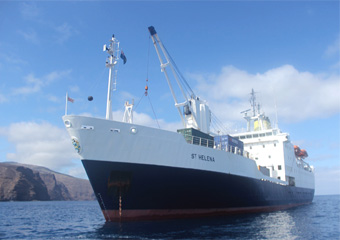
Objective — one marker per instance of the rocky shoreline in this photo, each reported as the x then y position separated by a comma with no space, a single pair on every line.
23,182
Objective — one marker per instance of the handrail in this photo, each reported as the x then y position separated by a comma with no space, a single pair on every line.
211,143
304,165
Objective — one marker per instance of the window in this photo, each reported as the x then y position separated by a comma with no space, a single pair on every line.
279,167
264,146
274,144
250,147
269,156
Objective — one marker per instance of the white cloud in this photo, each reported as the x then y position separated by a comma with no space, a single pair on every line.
12,59
64,32
3,98
298,95
327,180
77,171
334,48
74,88
34,84
29,10
53,98
40,144
29,35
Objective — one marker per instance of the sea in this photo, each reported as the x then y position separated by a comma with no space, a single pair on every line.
84,220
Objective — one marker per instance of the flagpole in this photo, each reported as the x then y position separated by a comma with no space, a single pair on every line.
66,103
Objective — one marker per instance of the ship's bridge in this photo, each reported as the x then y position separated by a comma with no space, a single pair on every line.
259,135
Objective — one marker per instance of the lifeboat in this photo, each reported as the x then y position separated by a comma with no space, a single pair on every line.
301,153
297,150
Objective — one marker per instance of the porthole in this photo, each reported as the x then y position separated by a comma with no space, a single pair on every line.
133,130
67,123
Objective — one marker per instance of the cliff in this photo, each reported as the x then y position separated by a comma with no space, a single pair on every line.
23,182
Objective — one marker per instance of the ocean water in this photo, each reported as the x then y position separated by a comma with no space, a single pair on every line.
84,220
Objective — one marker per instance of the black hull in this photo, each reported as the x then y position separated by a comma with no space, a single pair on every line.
128,191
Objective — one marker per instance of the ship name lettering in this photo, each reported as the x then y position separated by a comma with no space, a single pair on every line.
202,157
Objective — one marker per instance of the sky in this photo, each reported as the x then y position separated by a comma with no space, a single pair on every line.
288,52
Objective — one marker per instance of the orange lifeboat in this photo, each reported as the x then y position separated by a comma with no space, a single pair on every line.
303,153
297,150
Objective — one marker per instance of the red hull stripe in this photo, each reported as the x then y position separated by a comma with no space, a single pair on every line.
133,215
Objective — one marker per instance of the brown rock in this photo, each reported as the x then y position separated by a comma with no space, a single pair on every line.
23,182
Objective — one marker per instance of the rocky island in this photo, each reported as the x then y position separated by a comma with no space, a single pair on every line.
23,182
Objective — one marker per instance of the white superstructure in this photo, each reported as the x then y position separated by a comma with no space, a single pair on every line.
273,149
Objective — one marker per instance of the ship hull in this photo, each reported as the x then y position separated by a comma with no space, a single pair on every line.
131,191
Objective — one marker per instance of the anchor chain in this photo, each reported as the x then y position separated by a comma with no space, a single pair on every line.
120,204
105,210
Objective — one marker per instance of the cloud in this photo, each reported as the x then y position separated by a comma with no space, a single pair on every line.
77,171
53,98
327,180
34,84
3,98
29,10
64,32
298,95
74,88
40,144
334,48
30,36
12,59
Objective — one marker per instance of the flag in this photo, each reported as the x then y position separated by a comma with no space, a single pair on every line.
122,56
70,99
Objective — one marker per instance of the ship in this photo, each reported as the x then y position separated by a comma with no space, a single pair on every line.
140,173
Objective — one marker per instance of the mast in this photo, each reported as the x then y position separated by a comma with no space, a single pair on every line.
253,101
111,61
258,121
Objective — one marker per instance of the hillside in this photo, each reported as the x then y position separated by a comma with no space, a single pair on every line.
23,182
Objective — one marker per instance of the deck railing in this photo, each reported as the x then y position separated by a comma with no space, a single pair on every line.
211,144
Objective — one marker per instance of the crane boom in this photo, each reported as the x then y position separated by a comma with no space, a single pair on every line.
196,113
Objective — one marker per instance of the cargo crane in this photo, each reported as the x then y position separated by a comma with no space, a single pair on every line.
196,113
